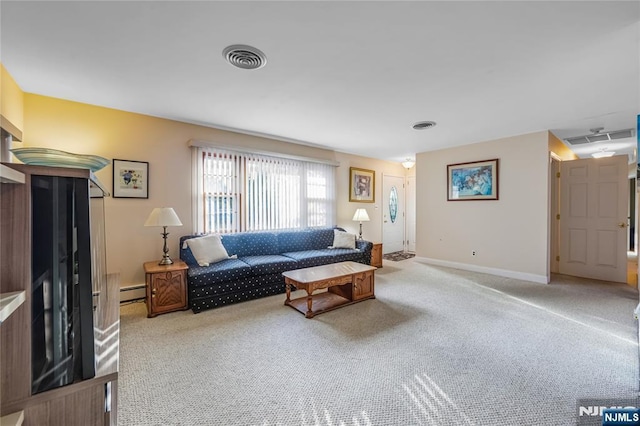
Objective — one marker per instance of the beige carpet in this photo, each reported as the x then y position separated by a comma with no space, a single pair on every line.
437,347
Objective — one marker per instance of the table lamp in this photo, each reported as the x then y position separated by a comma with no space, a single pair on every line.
361,216
163,216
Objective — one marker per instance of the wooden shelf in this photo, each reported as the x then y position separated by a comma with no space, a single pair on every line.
9,175
9,302
322,302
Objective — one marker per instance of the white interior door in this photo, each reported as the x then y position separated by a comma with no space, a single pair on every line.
410,191
593,218
392,214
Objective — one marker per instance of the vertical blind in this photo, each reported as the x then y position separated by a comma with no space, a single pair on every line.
250,192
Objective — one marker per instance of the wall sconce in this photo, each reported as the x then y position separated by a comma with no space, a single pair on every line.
408,163
163,216
361,216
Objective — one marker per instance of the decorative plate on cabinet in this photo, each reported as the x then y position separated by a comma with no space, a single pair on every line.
56,158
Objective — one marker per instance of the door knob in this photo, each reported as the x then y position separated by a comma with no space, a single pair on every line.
622,225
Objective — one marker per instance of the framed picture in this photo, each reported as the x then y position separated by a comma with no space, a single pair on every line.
362,185
477,180
130,179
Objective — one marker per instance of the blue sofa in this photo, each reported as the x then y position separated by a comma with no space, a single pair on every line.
262,257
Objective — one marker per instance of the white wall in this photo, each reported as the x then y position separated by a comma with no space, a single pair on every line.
510,234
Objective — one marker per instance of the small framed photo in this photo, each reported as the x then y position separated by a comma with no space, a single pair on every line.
130,179
362,185
477,180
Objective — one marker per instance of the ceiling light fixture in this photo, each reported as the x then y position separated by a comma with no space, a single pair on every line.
245,57
421,125
603,153
408,163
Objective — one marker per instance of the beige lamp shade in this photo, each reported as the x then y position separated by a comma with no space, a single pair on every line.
163,216
361,216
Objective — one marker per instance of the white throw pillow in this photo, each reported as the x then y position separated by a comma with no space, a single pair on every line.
343,239
207,249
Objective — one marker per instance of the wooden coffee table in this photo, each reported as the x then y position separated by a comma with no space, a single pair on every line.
346,283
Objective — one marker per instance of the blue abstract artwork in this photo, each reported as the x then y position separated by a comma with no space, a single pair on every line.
473,181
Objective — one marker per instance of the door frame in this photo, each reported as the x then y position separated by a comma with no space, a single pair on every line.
402,217
553,265
410,214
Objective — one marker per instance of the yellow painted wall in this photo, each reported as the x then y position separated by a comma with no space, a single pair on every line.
11,99
560,149
88,129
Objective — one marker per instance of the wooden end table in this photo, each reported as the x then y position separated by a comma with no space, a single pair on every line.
376,255
346,283
166,287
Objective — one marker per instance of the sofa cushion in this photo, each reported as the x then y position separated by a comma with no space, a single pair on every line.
323,237
226,270
207,249
290,241
269,264
308,258
343,255
250,243
343,239
185,251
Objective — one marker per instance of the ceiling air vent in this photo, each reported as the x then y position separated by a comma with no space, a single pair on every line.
621,134
597,136
245,57
577,141
600,137
421,125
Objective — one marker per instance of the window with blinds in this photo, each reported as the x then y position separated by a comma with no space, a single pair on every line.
250,192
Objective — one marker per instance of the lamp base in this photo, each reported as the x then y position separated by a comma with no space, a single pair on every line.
166,260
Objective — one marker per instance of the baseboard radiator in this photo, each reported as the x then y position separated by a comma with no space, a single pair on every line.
132,292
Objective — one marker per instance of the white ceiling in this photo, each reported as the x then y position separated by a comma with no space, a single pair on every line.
350,76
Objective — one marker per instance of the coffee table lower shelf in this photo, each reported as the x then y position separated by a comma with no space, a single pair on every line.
322,302
346,283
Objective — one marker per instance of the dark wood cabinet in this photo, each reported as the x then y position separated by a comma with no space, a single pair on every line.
86,400
166,287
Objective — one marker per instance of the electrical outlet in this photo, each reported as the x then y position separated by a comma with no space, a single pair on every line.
473,252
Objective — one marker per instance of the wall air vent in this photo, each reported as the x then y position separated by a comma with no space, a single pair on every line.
245,57
597,136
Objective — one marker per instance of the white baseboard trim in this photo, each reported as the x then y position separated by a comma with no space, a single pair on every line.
542,279
132,292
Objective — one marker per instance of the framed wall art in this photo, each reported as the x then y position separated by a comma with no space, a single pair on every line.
477,180
362,185
130,179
